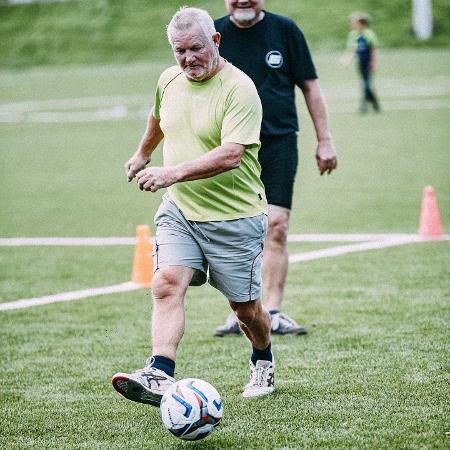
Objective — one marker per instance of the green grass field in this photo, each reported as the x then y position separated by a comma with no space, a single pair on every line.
373,373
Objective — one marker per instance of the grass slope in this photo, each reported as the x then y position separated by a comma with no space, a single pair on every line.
94,31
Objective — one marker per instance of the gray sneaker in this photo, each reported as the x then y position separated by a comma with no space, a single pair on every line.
146,385
282,324
231,327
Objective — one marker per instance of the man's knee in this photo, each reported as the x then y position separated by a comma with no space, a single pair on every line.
278,228
248,311
169,282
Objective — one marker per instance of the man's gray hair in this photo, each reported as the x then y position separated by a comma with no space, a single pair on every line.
187,17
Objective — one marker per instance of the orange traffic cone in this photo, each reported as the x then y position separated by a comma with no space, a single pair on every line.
142,272
430,225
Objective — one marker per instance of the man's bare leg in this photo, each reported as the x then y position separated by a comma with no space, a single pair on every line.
276,258
275,269
255,322
148,385
168,289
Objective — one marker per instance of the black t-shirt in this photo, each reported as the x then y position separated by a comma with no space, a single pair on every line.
275,55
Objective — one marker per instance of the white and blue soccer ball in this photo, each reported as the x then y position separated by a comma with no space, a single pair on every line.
191,409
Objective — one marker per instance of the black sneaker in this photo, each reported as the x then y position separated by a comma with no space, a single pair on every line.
231,327
282,324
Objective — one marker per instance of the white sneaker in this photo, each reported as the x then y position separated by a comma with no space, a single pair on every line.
146,385
262,379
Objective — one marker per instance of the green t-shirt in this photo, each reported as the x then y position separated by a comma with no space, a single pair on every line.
359,40
197,117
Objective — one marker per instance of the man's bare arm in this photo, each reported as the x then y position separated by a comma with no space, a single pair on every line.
373,60
326,152
221,159
153,135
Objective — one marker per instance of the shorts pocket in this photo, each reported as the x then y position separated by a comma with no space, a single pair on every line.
155,256
255,278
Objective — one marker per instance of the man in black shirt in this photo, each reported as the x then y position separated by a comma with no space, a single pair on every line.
273,52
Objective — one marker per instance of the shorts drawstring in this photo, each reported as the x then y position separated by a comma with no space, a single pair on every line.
194,225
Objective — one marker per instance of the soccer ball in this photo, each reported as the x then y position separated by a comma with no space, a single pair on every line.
191,409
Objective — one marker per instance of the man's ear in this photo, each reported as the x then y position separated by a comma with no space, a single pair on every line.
216,38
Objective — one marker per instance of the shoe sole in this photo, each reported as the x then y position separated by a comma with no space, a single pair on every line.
134,391
297,332
259,393
227,333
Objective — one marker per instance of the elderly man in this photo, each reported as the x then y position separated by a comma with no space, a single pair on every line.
273,52
213,217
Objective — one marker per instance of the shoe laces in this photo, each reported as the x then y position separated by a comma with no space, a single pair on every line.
258,375
149,373
149,362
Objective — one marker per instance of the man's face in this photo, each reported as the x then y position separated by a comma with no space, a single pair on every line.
244,11
197,55
357,25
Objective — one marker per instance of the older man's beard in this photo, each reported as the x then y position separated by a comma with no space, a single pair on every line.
211,66
244,16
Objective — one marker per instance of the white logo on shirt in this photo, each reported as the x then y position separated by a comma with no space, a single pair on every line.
274,59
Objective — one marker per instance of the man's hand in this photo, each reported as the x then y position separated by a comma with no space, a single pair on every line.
326,156
155,178
136,163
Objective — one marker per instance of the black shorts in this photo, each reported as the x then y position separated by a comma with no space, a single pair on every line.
278,157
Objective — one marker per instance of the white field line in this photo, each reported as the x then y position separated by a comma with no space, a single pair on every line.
411,89
344,249
28,2
67,242
74,103
129,286
118,108
337,237
117,241
118,112
389,88
121,112
69,296
397,105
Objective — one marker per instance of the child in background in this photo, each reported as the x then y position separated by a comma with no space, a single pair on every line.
363,41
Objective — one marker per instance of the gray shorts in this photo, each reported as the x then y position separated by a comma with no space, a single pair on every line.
230,252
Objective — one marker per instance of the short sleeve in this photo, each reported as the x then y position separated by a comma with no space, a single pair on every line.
373,39
157,104
302,64
242,116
